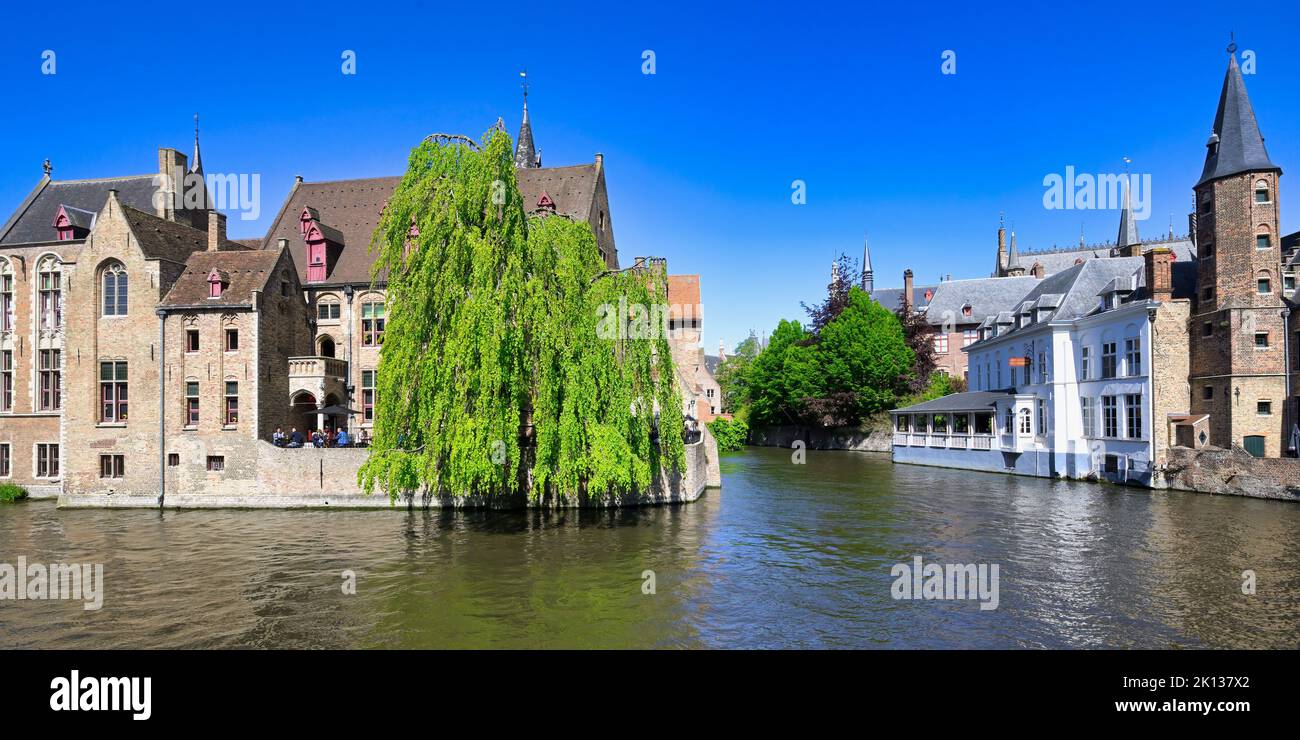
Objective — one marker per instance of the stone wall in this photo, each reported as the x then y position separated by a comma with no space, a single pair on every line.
873,435
1233,472
272,477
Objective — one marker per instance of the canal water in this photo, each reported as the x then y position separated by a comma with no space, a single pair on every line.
785,556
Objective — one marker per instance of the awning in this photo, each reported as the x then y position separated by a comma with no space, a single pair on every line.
971,401
337,411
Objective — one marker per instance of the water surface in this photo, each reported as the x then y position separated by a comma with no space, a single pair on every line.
785,556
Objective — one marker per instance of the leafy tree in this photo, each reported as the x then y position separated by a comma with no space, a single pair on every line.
731,435
919,335
865,360
731,375
494,379
782,376
837,294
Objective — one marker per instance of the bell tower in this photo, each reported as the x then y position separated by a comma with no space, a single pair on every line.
1238,367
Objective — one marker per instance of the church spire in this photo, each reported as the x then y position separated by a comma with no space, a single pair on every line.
1128,238
196,166
1236,145
526,157
868,281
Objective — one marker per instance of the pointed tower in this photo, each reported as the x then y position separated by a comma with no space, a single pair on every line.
1000,269
868,281
1014,268
196,165
526,156
1238,365
1127,244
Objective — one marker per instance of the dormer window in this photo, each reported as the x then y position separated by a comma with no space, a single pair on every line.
324,244
967,310
73,223
217,283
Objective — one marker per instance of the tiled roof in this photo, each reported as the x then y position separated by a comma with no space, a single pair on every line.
33,221
168,240
247,270
352,208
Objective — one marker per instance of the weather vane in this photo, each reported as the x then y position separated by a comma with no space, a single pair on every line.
524,84
1232,42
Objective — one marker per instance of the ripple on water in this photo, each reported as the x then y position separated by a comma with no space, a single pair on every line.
785,556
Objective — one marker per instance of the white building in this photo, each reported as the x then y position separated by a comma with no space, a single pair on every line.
1061,386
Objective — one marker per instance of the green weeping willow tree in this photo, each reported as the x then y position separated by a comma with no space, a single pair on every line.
512,364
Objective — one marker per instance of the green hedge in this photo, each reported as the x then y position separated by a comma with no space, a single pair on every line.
10,493
731,435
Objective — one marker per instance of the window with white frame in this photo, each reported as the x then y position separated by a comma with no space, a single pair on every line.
5,461
1133,356
1109,359
7,380
1109,417
1133,412
1085,363
1089,420
49,299
112,392
1026,422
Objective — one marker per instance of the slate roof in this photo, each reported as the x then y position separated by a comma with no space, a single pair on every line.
891,298
711,363
33,221
248,270
1057,260
970,401
1078,288
351,209
986,297
1240,146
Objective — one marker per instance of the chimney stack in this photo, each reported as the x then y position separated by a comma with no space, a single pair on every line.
171,183
1037,270
907,290
216,230
1159,273
600,161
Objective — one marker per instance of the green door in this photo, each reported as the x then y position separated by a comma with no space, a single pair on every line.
1254,445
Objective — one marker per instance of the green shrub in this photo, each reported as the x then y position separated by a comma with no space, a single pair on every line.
731,435
10,493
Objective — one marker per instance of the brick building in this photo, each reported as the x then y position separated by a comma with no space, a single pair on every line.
138,341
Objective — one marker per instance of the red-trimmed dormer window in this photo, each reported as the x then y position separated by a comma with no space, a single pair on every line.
324,244
217,283
545,204
72,223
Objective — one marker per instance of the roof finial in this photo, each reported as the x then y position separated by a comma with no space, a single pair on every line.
1232,42
47,167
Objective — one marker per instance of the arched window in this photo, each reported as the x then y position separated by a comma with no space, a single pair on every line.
1263,240
1026,422
114,285
49,288
1261,191
6,296
326,346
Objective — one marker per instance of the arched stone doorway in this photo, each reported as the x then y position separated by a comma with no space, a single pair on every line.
303,405
326,347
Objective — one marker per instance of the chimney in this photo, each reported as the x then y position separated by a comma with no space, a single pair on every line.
907,290
1037,270
1159,273
216,230
171,180
600,161
282,243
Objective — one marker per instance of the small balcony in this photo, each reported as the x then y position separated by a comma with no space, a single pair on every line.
316,366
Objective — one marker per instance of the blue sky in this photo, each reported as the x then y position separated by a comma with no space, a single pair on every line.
700,157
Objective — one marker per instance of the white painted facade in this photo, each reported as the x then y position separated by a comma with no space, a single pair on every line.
1077,406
